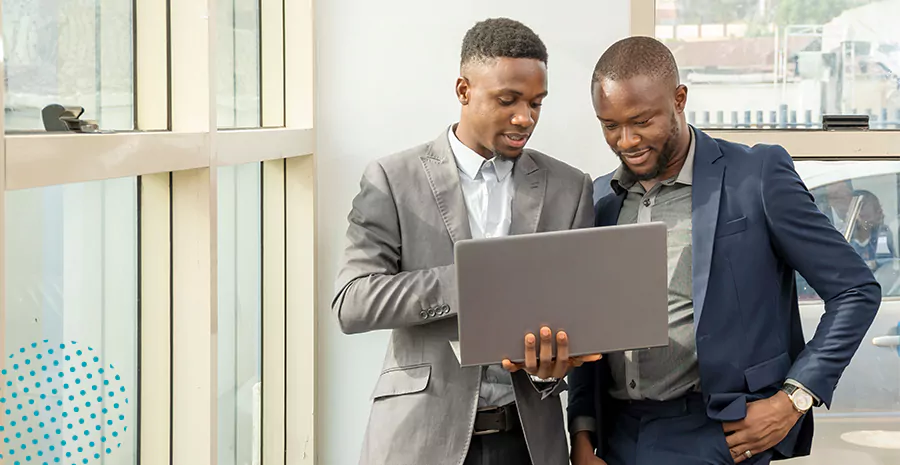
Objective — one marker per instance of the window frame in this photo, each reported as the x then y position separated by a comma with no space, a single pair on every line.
175,151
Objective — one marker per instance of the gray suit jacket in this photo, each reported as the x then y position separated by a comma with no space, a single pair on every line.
397,273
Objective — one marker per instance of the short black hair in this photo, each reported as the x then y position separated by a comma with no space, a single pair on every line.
501,38
636,56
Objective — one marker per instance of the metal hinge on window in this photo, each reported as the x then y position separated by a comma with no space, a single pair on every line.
58,118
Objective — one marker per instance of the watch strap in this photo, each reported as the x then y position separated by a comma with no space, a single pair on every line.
791,382
789,388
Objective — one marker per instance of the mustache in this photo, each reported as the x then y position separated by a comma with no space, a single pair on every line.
634,152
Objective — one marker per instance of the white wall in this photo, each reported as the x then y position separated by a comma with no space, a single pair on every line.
385,77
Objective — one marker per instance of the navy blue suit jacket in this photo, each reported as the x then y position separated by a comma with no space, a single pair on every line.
754,224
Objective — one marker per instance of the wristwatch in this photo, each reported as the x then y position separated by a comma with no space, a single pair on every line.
802,400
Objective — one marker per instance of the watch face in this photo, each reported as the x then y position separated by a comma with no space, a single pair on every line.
802,400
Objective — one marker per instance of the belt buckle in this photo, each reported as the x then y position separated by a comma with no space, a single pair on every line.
485,410
485,432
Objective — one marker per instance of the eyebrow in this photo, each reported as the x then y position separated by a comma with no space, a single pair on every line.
636,117
640,115
519,94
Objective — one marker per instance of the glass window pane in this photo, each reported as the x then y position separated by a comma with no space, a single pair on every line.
72,330
240,313
238,74
785,63
862,199
75,53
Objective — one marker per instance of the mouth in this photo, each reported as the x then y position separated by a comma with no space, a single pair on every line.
516,140
637,158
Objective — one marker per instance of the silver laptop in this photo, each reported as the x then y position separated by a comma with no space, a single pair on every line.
606,287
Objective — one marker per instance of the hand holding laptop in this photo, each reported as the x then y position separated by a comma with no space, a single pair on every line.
545,366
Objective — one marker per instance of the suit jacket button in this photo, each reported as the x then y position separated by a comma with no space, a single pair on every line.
423,314
445,308
430,312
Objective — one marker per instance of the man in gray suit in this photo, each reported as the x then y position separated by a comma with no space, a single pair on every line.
475,180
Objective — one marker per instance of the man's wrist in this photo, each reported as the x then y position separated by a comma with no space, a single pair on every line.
801,399
582,444
787,405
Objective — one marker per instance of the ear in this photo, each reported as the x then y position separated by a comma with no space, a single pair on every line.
680,98
462,90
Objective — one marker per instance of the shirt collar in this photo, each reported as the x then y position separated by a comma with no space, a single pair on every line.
470,163
622,179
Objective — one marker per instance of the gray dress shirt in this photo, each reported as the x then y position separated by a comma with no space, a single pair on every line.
669,372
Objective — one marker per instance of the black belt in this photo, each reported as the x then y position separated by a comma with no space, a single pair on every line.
688,404
497,420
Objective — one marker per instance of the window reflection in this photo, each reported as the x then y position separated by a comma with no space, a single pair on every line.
72,298
239,313
238,60
76,53
865,211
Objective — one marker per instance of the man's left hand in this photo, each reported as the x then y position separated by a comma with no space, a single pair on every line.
544,366
767,423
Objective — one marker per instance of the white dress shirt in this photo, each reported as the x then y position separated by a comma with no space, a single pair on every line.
488,190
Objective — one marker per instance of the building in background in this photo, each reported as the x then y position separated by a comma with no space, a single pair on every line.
785,63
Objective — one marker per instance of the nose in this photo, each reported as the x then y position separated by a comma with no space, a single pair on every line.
628,139
523,118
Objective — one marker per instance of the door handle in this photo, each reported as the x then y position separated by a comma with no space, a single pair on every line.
886,341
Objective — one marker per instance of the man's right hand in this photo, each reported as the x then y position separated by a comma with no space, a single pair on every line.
546,365
583,450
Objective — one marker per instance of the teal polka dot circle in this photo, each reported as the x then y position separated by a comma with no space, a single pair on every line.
84,391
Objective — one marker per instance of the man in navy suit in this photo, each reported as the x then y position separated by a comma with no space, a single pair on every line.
736,382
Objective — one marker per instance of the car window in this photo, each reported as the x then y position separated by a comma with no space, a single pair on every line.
865,210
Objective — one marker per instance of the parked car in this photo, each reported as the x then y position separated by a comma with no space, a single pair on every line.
863,425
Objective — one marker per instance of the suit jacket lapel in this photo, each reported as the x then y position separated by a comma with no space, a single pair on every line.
530,183
607,203
443,176
706,193
608,208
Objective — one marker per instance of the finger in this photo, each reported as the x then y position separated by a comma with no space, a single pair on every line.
589,358
739,452
562,355
510,366
732,426
763,444
738,440
546,355
575,362
530,354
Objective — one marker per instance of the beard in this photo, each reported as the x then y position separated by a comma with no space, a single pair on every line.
665,156
511,158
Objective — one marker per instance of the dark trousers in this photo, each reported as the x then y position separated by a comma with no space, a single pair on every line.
676,432
507,448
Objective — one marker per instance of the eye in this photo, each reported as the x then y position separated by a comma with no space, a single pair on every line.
536,105
642,123
507,102
610,126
